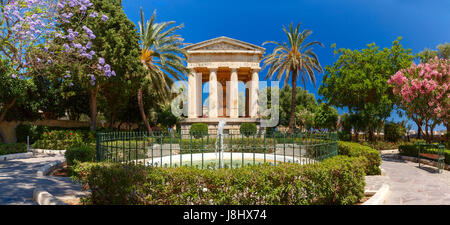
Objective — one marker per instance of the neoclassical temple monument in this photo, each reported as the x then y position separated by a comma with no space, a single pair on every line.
222,62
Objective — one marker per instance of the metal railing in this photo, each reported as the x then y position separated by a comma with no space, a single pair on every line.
202,150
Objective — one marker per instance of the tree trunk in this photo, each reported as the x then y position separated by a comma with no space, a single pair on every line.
93,108
294,93
7,107
141,109
8,132
427,135
371,134
419,127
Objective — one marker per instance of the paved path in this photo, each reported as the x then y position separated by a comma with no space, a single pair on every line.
18,180
411,185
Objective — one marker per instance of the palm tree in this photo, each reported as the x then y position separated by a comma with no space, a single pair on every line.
293,59
162,55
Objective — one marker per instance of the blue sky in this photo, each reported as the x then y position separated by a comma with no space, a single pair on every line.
348,23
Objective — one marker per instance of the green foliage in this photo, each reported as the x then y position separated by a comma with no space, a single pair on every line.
32,131
304,118
199,130
358,81
248,129
393,131
443,52
165,116
355,150
413,150
326,117
12,148
37,131
15,102
58,139
339,180
305,101
346,132
79,152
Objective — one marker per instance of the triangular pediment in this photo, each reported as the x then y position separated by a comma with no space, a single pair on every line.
224,44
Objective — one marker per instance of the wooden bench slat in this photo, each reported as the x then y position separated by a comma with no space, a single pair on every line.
432,156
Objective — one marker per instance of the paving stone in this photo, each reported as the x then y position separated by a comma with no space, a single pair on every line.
18,180
410,184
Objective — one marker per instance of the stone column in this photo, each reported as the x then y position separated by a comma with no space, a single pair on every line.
234,94
253,104
212,100
192,98
199,94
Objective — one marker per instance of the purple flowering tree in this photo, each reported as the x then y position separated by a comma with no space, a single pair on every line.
39,34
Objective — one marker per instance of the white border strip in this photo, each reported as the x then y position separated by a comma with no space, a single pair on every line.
43,171
380,197
42,197
16,156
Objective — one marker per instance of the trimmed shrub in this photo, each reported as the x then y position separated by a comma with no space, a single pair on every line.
12,148
199,130
58,139
79,152
338,180
355,150
413,150
248,129
36,132
393,131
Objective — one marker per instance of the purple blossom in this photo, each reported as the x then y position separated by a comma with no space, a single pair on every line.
107,67
77,45
14,76
104,17
93,15
101,61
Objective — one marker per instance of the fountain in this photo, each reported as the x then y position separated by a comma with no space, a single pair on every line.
219,143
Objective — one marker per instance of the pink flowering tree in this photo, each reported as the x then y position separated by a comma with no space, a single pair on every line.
424,92
38,34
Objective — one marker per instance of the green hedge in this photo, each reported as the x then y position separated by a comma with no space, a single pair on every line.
198,130
413,150
338,180
12,148
80,152
58,139
354,150
248,129
36,132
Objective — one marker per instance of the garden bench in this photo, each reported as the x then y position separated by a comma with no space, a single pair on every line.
439,156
